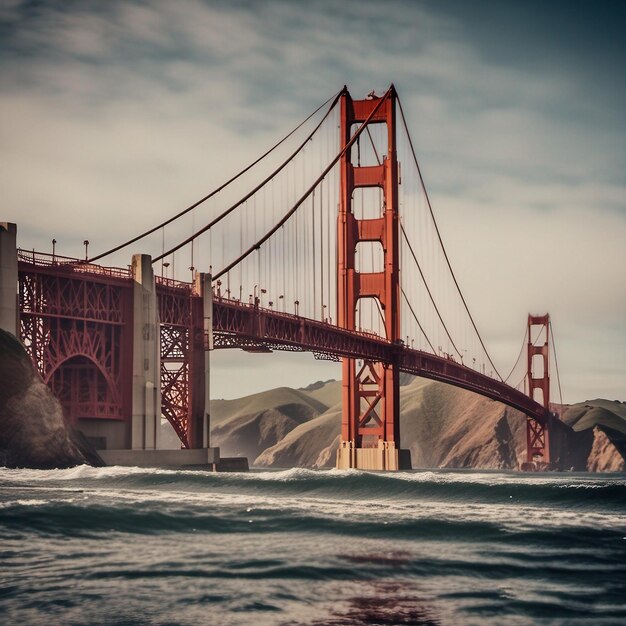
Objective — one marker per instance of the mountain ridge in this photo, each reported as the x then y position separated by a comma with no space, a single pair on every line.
443,426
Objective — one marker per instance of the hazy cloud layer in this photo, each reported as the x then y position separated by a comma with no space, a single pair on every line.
114,115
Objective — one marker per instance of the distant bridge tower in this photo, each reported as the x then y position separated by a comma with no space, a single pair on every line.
370,428
538,375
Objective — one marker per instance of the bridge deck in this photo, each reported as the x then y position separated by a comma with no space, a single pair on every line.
241,325
251,327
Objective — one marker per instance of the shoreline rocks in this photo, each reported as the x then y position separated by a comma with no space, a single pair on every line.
33,430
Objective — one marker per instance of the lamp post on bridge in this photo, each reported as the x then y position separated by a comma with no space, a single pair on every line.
54,243
86,244
258,295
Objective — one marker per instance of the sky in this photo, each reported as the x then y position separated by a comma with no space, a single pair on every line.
115,115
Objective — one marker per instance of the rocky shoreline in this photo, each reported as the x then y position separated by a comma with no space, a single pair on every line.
33,430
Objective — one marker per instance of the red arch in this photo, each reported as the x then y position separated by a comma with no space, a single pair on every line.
117,396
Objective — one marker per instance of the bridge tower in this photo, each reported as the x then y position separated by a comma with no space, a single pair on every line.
370,427
537,434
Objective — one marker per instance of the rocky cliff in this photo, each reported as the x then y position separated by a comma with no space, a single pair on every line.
33,430
603,423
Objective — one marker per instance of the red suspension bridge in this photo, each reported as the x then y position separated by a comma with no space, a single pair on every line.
336,251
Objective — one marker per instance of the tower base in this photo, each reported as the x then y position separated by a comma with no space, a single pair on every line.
386,457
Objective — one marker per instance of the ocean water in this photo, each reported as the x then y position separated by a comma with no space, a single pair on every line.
144,546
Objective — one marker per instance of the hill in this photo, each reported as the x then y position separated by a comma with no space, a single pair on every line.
606,420
248,426
584,415
443,426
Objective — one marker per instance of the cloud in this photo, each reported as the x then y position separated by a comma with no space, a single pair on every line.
116,115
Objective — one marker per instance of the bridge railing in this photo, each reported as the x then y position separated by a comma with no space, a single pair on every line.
291,316
310,322
173,283
44,259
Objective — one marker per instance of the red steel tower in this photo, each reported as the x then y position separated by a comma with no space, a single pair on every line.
537,434
370,429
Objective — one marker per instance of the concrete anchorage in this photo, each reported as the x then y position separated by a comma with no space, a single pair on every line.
146,395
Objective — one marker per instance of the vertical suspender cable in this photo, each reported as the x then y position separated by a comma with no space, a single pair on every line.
519,356
556,364
428,290
334,98
307,193
251,193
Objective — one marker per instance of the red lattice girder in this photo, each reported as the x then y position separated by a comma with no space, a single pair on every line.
73,327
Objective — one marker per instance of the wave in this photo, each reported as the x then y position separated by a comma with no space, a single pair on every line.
582,492
94,517
517,499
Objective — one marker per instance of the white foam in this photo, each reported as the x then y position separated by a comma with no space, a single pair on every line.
9,503
84,471
299,473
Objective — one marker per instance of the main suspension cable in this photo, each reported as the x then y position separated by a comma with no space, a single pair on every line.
230,209
418,322
445,254
215,191
308,192
519,356
556,364
429,292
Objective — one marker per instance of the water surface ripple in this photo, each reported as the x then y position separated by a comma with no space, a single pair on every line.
139,546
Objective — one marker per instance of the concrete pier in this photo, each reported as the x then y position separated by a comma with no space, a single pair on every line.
197,459
9,319
161,458
206,290
146,395
385,457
